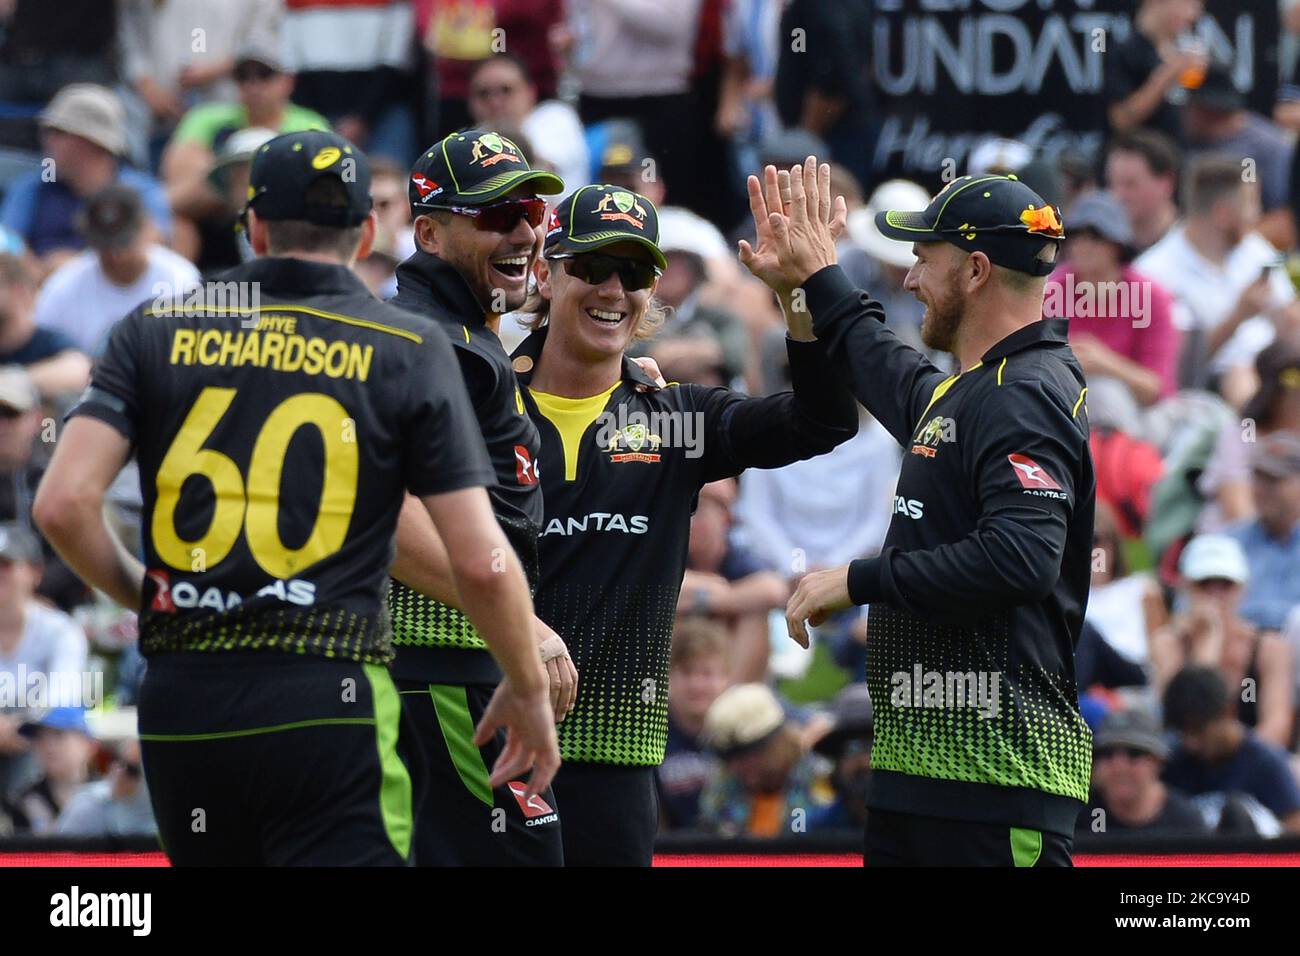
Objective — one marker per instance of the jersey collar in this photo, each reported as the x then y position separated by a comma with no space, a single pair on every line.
524,361
427,275
287,277
1035,334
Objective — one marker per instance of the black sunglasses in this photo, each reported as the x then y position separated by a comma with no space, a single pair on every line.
252,71
1133,753
594,268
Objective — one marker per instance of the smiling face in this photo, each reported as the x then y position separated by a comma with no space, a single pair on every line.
594,321
495,264
935,281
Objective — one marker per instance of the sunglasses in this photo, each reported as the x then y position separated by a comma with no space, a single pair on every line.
483,92
595,268
252,71
1133,753
500,216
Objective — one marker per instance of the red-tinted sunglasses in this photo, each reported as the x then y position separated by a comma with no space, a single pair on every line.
501,216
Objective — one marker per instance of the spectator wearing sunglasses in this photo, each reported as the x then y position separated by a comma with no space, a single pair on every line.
477,205
626,459
1128,796
264,88
118,805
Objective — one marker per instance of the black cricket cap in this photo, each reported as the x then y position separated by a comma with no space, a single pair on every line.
597,216
283,168
471,168
997,215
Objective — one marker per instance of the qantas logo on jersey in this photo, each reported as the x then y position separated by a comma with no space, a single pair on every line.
602,521
527,471
910,507
537,811
183,596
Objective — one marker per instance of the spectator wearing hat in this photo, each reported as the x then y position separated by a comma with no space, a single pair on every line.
847,742
223,242
50,357
264,87
83,134
1218,754
1217,121
61,745
1128,756
501,91
1148,75
768,776
699,671
1210,630
1142,168
118,805
168,72
889,260
1275,406
1124,608
34,639
1230,298
1121,322
122,268
1271,540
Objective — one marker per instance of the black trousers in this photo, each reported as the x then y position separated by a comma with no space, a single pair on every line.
461,820
273,759
906,839
611,814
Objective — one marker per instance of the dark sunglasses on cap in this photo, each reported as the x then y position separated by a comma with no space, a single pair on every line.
246,72
500,216
594,268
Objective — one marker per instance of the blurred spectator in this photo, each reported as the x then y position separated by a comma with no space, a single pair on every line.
177,54
1217,754
848,744
751,44
634,60
1121,322
727,582
1142,173
34,639
353,60
1222,276
1125,607
998,156
1274,407
62,747
223,242
1128,755
700,670
394,237
1208,629
39,54
264,89
118,805
1272,539
823,77
1148,75
501,91
123,267
457,34
50,357
1128,468
768,776
1217,122
83,136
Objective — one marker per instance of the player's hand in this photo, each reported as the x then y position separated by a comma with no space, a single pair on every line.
652,371
795,228
561,673
530,737
819,594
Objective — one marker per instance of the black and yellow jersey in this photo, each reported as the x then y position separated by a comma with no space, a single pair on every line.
977,599
624,469
436,642
275,439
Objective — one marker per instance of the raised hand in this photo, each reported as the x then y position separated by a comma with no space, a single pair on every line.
796,229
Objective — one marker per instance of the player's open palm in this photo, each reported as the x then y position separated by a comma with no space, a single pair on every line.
531,743
796,225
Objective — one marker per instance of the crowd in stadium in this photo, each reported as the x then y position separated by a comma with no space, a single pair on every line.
126,131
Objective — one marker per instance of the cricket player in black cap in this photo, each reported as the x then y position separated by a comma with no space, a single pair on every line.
276,438
976,602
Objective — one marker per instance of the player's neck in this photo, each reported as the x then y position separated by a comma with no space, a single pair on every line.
984,329
562,372
493,321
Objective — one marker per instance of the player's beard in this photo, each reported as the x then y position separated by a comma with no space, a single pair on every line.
942,318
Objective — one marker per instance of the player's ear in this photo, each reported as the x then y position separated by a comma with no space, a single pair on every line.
256,233
369,228
978,270
542,272
429,234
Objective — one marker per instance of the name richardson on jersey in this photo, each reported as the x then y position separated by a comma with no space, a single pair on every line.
275,344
